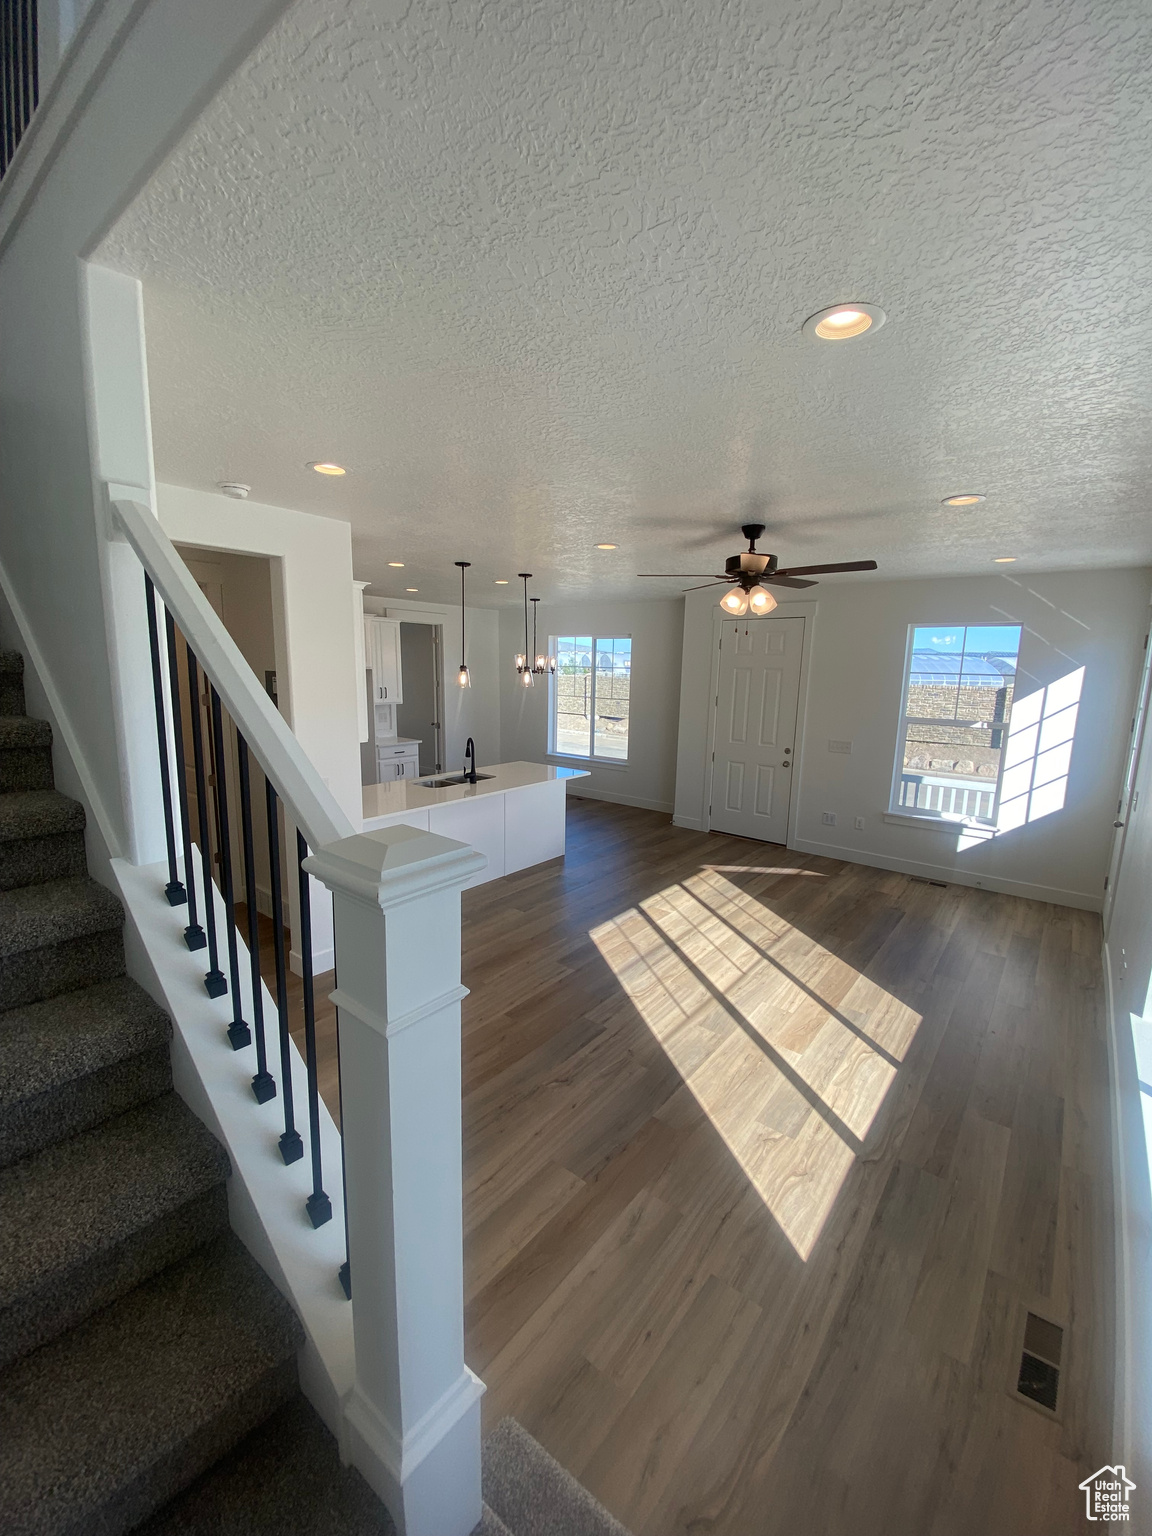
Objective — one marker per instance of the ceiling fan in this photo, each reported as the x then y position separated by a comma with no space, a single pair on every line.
749,574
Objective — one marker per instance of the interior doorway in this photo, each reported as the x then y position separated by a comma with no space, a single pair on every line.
419,715
755,740
240,591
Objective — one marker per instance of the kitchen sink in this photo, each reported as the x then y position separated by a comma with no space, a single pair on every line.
452,778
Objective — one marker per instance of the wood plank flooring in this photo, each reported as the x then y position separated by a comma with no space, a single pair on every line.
766,1156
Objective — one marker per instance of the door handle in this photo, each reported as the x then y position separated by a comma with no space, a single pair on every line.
1117,824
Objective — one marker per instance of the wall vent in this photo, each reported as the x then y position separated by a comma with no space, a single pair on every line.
1039,1378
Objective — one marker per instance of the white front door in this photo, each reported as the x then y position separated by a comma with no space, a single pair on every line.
756,727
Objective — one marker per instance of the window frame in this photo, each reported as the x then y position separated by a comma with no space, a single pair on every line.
937,818
619,763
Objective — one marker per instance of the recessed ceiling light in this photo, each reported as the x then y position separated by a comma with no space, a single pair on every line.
411,589
841,322
605,546
1004,560
965,499
500,582
327,469
396,565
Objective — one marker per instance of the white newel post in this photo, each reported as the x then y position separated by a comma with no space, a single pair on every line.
412,1418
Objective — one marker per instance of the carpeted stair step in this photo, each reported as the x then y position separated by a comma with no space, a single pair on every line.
533,1494
285,1479
72,1061
11,683
56,937
104,1425
25,753
41,838
93,1216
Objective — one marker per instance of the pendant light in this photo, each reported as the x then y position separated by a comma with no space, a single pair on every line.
757,599
523,659
543,663
462,676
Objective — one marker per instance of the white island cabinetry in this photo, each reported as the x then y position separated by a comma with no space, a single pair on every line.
514,816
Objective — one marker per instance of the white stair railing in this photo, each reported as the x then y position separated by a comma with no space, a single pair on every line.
410,1421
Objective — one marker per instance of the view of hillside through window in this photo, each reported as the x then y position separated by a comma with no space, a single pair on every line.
591,695
957,704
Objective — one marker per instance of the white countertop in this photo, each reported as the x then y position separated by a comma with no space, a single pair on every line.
400,795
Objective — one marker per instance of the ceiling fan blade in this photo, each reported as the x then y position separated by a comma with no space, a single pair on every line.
678,575
703,584
779,579
824,570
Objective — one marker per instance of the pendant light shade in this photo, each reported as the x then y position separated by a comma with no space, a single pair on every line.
543,662
735,601
524,657
761,601
463,678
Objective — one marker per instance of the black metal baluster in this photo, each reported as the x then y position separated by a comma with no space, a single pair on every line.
291,1145
263,1084
318,1205
346,1267
174,890
239,1035
193,934
214,983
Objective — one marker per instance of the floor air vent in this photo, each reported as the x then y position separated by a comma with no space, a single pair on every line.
1039,1378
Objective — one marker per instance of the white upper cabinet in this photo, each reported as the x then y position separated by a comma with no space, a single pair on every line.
382,642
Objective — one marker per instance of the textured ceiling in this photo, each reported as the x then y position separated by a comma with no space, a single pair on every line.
536,274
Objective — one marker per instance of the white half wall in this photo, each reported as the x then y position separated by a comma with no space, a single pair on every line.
856,641
656,627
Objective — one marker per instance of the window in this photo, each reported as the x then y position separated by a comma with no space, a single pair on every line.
957,703
590,695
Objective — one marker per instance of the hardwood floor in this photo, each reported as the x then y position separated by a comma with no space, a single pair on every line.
766,1158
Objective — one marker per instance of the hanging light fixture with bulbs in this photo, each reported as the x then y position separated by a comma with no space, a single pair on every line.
524,658
463,677
543,662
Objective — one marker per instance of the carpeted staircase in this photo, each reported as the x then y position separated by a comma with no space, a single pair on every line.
147,1364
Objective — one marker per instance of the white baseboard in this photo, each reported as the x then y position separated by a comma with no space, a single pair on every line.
584,793
322,960
1082,900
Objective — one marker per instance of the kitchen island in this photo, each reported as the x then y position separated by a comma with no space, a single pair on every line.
513,814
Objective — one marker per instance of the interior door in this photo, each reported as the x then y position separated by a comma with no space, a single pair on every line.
755,741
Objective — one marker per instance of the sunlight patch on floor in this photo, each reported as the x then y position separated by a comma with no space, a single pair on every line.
788,1050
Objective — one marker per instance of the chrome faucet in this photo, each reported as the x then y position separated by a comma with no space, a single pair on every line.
470,761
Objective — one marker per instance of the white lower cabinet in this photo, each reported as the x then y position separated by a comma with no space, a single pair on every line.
479,821
398,761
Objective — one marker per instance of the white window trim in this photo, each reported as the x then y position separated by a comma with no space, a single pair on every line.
902,814
575,760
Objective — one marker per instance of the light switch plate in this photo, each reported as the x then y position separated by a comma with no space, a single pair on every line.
829,818
840,746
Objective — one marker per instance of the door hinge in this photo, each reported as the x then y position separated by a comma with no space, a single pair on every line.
717,701
1105,882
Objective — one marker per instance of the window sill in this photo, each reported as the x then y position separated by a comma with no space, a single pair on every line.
611,763
939,823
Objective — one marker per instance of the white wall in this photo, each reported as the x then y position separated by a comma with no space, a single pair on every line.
656,628
471,711
856,649
84,156
317,691
1128,957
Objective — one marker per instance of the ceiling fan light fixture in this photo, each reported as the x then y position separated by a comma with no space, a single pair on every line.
761,601
842,322
735,601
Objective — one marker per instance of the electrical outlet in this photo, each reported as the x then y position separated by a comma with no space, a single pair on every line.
859,823
829,818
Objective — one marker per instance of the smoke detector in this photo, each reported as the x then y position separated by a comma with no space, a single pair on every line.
235,489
